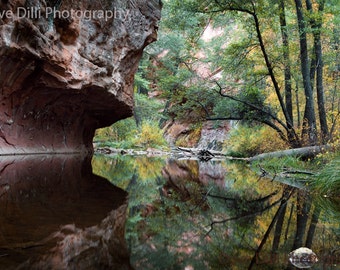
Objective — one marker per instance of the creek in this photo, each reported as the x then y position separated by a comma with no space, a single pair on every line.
123,212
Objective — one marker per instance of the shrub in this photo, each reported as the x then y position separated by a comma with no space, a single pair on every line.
270,141
248,141
126,134
150,136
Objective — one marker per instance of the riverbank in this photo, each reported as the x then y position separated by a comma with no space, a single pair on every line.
176,152
206,154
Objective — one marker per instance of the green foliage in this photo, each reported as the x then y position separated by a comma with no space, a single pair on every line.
148,109
247,141
324,184
126,134
182,16
150,136
114,169
141,82
172,65
237,54
274,165
327,181
243,142
176,72
118,135
171,209
330,207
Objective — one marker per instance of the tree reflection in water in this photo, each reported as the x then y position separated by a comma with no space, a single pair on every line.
216,215
56,214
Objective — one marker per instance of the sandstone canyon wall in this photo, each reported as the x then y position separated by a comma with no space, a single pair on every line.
67,68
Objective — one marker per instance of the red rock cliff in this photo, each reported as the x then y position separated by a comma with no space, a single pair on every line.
67,68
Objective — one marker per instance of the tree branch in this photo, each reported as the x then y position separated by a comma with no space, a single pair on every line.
251,106
287,193
240,217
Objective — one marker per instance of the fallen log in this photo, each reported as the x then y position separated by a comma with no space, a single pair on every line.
304,152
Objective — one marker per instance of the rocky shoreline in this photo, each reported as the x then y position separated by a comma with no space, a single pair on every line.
176,152
207,154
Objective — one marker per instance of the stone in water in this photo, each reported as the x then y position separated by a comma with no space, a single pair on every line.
303,258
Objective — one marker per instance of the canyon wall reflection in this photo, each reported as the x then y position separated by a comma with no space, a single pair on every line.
56,214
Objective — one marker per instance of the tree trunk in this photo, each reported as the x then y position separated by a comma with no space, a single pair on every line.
335,103
294,139
279,227
298,104
303,209
312,228
286,58
266,235
309,121
137,117
312,68
316,26
291,134
289,223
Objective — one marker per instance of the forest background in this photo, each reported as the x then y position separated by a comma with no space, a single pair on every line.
271,66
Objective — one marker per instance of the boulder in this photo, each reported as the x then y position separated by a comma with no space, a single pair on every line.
303,258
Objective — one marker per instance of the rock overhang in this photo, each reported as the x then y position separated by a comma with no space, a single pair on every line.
62,77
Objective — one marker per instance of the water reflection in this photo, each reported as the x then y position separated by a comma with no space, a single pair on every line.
56,214
191,215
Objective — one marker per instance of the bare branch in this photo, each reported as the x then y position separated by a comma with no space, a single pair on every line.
240,217
251,106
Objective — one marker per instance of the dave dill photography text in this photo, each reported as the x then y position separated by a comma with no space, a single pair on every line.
53,12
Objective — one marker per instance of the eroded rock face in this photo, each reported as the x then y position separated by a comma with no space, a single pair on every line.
211,135
67,68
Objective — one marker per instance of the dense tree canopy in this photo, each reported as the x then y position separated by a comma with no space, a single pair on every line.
270,62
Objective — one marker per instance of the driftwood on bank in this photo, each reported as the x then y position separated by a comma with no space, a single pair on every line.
201,154
304,152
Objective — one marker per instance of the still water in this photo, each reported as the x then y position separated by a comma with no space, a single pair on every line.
118,212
